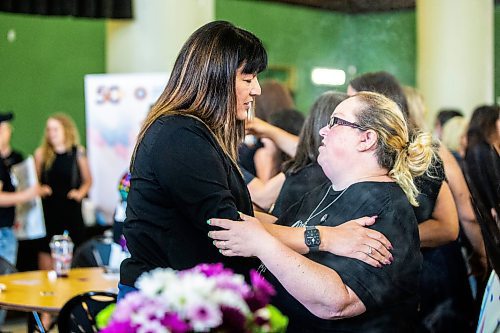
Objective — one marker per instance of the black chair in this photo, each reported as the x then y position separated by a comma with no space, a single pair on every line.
93,253
78,314
6,267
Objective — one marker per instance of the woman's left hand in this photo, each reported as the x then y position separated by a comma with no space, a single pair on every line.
76,195
239,238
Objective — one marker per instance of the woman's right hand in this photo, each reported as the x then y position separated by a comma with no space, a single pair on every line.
352,239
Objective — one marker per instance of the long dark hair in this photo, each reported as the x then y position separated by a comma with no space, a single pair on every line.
309,139
482,125
202,82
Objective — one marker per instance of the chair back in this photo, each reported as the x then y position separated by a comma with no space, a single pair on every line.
79,313
6,267
92,253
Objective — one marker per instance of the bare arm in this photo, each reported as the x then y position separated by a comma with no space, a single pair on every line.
461,195
329,299
9,199
284,140
443,227
83,164
266,160
264,194
38,162
351,239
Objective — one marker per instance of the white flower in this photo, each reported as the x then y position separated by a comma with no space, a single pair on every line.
154,282
203,316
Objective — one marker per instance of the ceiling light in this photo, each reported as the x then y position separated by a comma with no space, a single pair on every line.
328,76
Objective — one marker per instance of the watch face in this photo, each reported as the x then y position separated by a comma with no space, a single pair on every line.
312,237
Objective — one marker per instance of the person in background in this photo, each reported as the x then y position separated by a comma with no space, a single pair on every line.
482,167
263,194
184,169
303,173
454,137
63,166
289,120
9,198
275,97
443,116
482,156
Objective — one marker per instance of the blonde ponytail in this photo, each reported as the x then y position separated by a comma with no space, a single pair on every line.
405,156
413,160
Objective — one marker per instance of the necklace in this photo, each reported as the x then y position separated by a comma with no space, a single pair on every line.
313,214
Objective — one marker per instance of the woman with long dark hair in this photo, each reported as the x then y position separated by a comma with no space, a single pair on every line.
184,169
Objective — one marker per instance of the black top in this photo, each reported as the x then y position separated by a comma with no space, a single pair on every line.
483,170
246,154
297,184
61,213
247,176
482,165
446,303
180,178
7,214
389,293
429,184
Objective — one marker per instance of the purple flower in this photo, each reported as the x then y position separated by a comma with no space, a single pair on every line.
203,317
119,327
262,292
212,269
231,282
260,284
232,320
130,304
174,323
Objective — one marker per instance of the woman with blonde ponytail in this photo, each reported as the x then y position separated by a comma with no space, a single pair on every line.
446,298
327,254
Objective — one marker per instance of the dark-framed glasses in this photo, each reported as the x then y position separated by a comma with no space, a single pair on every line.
339,121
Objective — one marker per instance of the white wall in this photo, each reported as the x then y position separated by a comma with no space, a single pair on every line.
455,53
151,41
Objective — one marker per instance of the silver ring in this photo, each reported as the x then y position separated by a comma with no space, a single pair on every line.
370,249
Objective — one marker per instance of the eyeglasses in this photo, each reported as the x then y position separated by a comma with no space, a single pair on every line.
338,121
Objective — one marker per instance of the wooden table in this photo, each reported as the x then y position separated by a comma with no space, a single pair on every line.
34,291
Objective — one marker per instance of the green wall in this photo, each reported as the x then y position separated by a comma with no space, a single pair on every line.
42,71
497,53
305,38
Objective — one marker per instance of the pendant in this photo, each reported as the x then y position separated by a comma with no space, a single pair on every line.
298,224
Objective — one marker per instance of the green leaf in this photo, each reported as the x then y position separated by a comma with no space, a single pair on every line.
104,316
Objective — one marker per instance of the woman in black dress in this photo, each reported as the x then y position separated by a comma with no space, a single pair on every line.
62,165
370,160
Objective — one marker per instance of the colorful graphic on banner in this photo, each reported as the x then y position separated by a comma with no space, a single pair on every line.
116,105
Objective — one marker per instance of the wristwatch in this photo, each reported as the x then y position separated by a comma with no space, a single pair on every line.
312,239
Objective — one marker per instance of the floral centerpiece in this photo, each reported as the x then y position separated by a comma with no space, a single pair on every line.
206,298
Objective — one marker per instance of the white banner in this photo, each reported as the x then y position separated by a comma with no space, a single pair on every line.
115,106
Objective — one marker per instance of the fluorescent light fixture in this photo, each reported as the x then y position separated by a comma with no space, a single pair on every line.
328,76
